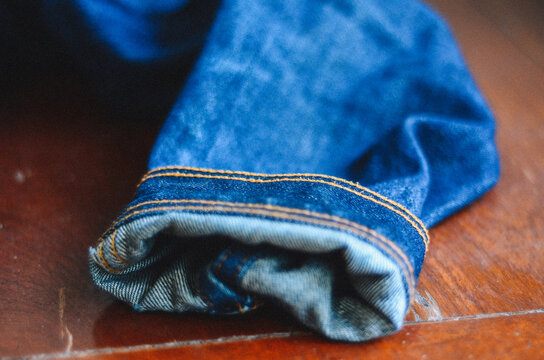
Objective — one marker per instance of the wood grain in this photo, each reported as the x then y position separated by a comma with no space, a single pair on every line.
513,337
67,170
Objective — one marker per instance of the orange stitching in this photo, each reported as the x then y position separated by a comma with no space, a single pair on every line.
223,259
395,252
392,202
237,274
262,206
115,251
239,267
280,209
101,254
425,237
256,304
271,207
299,211
295,180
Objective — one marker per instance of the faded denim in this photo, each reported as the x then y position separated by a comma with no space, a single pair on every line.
309,150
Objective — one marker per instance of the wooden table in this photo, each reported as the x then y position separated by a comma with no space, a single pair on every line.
68,169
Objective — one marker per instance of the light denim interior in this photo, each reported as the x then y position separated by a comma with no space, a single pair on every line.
375,305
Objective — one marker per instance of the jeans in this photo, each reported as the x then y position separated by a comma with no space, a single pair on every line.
312,145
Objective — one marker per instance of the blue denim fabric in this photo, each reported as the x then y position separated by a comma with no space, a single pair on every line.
310,148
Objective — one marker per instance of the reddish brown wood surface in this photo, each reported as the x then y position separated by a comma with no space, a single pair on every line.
521,21
512,337
67,170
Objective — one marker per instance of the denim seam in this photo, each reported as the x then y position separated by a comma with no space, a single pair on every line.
219,264
114,250
240,273
389,207
392,250
332,218
392,202
370,235
221,261
369,232
236,279
305,212
101,255
216,268
271,207
238,269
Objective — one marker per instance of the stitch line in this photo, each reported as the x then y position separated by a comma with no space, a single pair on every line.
368,231
394,251
278,208
287,210
263,206
223,258
114,250
424,234
239,268
363,228
101,255
389,207
392,202
235,275
235,280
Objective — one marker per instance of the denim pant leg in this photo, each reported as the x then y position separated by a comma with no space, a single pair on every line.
309,150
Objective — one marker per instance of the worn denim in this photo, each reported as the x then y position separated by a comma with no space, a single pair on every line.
309,150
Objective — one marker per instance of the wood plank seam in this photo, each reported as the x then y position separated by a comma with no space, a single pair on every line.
240,338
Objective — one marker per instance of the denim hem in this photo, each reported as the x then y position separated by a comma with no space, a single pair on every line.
343,261
343,184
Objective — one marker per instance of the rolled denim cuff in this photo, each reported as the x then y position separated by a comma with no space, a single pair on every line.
341,258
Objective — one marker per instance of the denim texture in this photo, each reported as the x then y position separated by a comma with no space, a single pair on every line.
310,148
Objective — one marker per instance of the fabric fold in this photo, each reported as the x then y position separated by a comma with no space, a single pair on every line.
318,245
309,149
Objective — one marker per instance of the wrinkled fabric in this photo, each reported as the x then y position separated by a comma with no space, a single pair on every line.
312,145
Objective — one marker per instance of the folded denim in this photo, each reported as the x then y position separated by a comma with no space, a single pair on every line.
222,241
306,145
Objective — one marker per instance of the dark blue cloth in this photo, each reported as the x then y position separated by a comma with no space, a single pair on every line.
309,149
